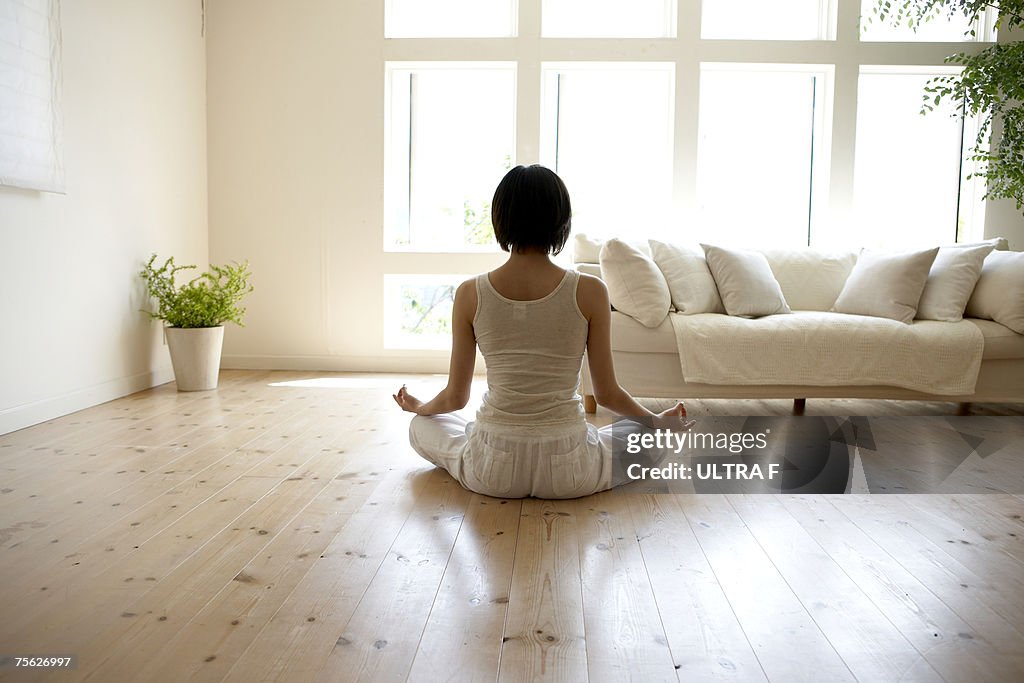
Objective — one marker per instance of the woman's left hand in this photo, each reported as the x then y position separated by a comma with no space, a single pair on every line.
674,418
407,401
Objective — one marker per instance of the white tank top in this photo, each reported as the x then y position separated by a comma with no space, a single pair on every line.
534,350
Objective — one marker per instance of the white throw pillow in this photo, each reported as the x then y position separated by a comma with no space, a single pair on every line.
952,278
999,243
886,285
585,249
999,294
635,285
745,281
690,282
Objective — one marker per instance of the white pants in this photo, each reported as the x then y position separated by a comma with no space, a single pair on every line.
505,464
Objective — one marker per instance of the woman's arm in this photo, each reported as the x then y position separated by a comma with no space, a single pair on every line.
592,296
455,395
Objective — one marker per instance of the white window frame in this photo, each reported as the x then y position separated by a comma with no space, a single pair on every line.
821,128
827,19
396,189
970,208
670,16
390,31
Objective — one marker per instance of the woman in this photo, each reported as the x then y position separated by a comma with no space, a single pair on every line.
532,321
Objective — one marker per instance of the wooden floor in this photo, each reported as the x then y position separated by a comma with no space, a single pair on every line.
281,528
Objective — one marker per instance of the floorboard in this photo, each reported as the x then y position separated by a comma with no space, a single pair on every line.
282,529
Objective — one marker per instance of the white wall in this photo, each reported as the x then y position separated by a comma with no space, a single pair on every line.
71,334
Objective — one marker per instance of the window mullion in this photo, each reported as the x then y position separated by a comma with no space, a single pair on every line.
839,216
687,91
528,83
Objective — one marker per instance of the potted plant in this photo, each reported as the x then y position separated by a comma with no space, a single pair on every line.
195,314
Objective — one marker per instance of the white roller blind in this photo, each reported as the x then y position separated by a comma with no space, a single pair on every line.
31,155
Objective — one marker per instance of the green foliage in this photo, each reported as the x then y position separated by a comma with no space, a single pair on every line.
990,86
913,13
427,310
476,219
476,223
208,300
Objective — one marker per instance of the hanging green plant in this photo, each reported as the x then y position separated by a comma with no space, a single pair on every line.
208,300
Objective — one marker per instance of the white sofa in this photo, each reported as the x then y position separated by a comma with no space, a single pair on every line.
649,356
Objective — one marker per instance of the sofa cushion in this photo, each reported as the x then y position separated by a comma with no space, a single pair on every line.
745,282
689,280
635,285
818,348
999,294
952,278
886,284
810,279
1001,343
629,335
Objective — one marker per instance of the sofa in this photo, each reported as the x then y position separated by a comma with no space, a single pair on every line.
701,321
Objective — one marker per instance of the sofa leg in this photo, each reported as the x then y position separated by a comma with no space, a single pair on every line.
799,405
963,409
589,404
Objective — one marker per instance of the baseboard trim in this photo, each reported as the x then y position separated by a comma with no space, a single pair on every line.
28,414
412,364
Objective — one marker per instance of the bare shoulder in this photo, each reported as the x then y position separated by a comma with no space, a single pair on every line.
591,294
465,297
467,288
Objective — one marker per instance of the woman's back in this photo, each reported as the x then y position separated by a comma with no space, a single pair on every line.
534,350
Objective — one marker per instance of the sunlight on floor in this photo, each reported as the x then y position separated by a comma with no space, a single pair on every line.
364,382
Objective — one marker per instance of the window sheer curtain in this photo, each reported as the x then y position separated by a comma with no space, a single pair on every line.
31,154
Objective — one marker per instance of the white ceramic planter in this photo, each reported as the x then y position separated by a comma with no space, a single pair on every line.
195,355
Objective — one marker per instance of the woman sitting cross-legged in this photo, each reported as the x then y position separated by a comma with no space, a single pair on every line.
532,321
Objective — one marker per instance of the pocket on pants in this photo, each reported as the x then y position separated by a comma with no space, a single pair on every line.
491,470
574,473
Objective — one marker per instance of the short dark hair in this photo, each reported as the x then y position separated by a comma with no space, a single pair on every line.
531,210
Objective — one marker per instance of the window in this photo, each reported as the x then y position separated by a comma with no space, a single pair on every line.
609,18
762,170
761,20
451,139
742,122
418,310
941,28
449,18
606,129
908,168
31,155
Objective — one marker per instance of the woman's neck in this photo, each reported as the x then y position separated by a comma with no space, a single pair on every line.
534,260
